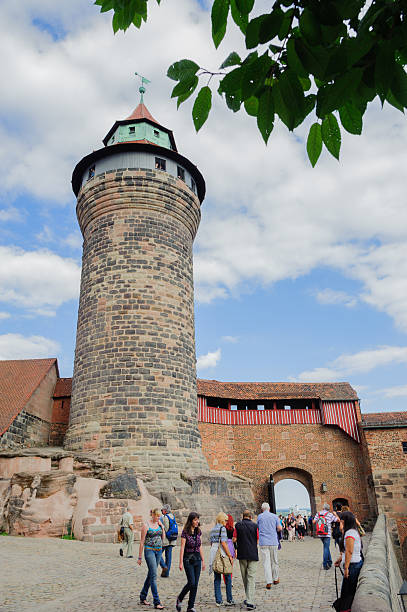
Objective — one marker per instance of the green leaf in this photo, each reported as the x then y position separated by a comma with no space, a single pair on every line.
293,60
232,60
270,25
309,27
252,106
265,113
184,87
232,82
219,17
254,75
286,24
201,107
334,96
245,6
399,85
289,98
117,21
383,74
182,70
314,143
314,59
233,102
240,19
253,32
392,100
305,82
106,5
331,135
351,118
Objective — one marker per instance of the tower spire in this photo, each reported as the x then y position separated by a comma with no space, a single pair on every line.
142,89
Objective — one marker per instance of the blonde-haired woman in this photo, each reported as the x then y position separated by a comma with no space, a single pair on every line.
219,537
152,542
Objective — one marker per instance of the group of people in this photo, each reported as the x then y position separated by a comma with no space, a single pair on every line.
241,541
295,527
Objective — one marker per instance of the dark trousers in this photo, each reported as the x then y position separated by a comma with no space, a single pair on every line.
349,585
192,567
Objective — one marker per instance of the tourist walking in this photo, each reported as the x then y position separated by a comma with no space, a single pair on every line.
191,560
169,539
230,527
350,559
300,525
245,537
127,523
291,527
151,541
323,521
269,525
219,539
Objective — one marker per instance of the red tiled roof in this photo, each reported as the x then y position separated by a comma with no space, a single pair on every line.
281,390
385,419
18,381
63,388
141,112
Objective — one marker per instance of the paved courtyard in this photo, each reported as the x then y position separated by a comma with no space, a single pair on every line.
59,575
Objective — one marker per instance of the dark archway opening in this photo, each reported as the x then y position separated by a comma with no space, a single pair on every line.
339,502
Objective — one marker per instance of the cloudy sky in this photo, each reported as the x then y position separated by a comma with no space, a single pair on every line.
300,273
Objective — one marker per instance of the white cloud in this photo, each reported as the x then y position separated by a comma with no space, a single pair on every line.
231,339
74,240
397,391
330,296
10,214
4,315
37,280
358,363
46,235
16,346
268,215
210,360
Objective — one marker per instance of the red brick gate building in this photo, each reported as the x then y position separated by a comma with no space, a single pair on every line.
309,432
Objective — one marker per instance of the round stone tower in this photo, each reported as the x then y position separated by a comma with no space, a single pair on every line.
134,399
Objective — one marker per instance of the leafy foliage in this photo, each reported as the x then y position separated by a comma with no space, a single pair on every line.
345,52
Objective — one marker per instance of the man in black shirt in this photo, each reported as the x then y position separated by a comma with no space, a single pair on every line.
246,536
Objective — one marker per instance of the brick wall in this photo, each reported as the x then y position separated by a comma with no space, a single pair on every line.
102,524
59,420
312,454
134,384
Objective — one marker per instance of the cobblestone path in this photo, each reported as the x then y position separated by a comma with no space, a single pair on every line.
67,576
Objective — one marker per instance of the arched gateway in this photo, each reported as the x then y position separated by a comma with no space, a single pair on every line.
307,431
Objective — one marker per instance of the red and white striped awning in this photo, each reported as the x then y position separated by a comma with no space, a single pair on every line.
342,414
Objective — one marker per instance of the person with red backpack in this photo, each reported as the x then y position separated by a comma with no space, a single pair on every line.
323,521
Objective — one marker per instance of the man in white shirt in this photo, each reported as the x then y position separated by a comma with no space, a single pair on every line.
128,524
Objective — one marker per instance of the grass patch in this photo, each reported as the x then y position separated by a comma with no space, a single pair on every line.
3,533
69,536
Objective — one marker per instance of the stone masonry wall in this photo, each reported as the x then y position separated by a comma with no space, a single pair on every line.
134,385
389,471
32,426
312,454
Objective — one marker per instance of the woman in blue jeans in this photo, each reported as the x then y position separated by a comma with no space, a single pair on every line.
219,538
351,559
191,560
152,542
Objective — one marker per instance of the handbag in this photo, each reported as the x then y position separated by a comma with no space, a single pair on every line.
221,564
361,531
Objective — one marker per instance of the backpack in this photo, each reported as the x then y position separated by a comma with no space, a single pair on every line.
322,525
172,533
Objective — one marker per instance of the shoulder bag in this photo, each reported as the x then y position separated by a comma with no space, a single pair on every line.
221,564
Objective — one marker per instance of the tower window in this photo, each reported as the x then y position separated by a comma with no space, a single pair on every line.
159,163
91,172
181,173
156,133
132,129
404,447
193,185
